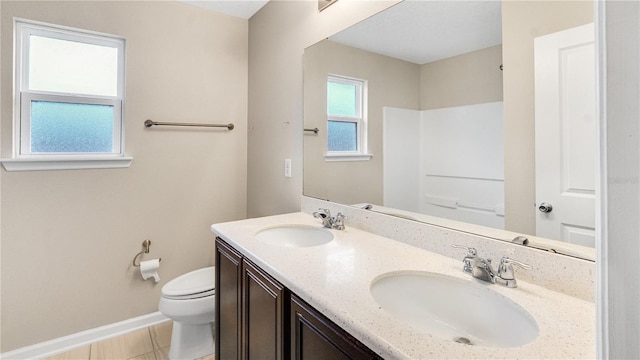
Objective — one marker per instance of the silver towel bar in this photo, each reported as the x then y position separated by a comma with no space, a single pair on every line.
315,130
150,123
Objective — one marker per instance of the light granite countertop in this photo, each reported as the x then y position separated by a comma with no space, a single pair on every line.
335,278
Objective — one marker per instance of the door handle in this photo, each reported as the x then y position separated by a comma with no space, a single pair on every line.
545,207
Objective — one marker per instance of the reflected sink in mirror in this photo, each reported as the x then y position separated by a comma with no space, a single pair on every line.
454,309
294,235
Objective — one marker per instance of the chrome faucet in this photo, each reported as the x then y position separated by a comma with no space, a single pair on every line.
329,222
482,269
325,216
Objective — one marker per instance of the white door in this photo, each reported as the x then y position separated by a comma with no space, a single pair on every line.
565,132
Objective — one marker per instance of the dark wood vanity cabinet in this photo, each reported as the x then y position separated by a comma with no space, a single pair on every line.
258,318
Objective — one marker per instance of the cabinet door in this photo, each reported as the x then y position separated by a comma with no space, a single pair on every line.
262,315
314,337
228,301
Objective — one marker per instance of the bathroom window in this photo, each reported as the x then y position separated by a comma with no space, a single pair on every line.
69,95
346,114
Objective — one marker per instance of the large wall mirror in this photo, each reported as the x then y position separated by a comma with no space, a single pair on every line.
477,115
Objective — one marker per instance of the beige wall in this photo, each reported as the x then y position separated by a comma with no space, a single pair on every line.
390,82
522,21
68,237
467,79
278,35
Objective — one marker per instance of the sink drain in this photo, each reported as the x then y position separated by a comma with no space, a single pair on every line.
463,340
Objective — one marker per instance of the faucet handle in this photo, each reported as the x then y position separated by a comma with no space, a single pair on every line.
471,250
338,222
505,275
470,260
322,213
507,260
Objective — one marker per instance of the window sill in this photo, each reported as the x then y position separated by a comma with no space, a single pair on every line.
347,157
65,163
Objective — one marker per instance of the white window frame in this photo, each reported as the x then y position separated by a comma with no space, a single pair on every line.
360,119
22,157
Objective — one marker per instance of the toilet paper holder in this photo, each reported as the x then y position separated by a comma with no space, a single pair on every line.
145,245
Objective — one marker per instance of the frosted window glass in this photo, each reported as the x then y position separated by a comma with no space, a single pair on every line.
342,136
72,67
341,99
58,127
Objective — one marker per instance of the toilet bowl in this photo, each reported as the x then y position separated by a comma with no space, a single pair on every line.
189,301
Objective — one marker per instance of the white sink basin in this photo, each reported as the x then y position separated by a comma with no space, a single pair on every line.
454,309
294,235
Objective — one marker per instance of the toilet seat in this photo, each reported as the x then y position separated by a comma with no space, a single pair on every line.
192,285
190,296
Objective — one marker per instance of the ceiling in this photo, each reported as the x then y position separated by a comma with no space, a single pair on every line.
238,8
449,27
422,31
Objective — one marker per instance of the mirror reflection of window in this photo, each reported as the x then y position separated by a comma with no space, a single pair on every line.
345,115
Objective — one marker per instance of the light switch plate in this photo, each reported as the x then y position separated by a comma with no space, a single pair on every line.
287,168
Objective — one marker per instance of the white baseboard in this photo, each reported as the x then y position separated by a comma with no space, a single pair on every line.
66,343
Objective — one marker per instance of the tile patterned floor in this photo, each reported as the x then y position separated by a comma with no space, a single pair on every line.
145,344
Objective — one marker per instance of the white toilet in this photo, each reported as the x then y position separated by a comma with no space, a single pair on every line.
189,301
